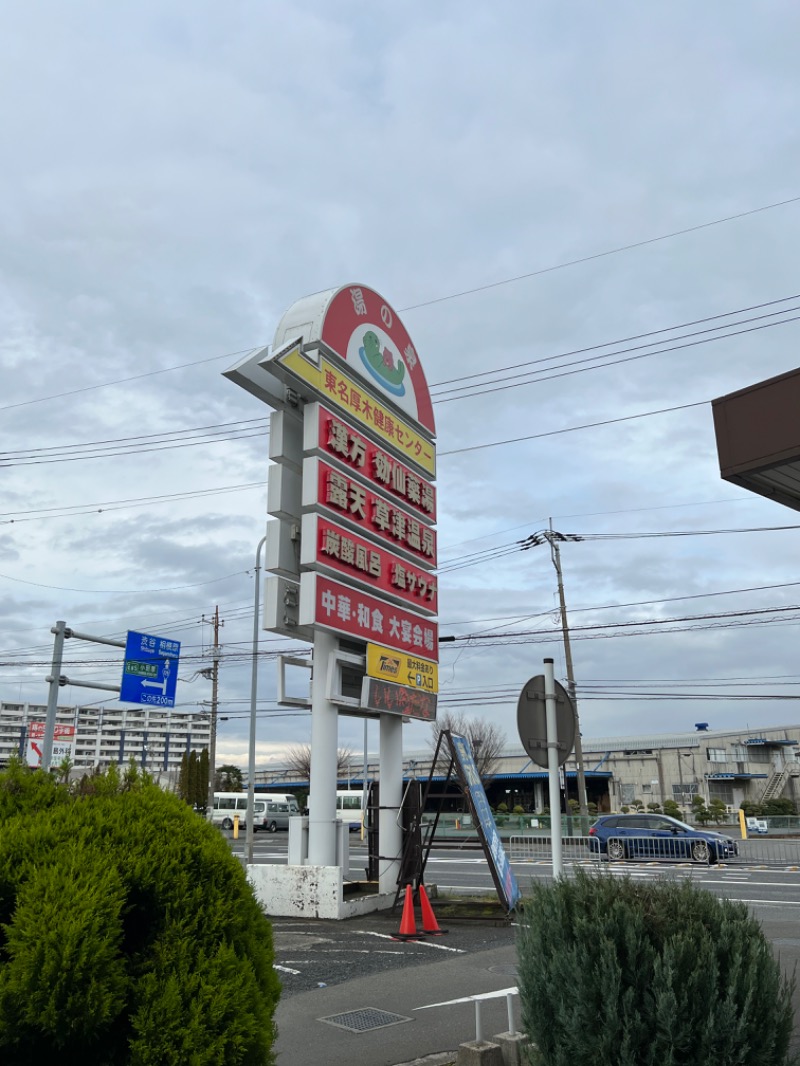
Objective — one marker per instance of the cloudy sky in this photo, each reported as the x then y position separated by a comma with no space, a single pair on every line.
588,216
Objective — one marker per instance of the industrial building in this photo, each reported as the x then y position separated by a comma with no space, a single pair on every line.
722,764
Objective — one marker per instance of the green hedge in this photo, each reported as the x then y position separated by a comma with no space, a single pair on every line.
617,973
128,932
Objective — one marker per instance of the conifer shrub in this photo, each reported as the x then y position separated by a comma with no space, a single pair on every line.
620,973
129,935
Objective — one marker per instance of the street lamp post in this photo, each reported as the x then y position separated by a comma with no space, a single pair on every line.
251,762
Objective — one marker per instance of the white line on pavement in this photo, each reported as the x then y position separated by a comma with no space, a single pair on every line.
423,943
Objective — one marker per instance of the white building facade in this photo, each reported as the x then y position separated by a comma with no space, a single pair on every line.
154,738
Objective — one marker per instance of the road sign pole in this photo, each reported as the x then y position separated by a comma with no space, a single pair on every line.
552,767
60,629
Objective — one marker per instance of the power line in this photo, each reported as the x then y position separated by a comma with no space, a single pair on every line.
577,369
600,255
116,505
488,376
429,303
132,377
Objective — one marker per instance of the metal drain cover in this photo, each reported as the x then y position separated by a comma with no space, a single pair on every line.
364,1019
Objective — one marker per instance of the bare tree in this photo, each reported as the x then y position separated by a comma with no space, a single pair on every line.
486,739
298,760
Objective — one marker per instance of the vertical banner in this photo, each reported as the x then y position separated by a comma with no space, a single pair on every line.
505,882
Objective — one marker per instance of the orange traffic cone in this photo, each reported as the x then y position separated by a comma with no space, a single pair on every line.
408,926
429,924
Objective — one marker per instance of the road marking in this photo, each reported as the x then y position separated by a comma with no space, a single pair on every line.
423,943
284,969
771,902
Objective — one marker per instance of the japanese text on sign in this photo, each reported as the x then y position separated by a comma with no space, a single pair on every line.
345,444
375,513
350,554
345,392
350,611
403,669
378,695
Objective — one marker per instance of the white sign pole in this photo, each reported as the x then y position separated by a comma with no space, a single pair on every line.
552,767
324,756
390,831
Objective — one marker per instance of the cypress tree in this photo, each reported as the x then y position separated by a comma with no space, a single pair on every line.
621,973
129,934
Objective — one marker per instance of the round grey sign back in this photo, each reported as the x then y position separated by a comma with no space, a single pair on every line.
532,721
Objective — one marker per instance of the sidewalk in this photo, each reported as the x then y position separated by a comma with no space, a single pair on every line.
305,1040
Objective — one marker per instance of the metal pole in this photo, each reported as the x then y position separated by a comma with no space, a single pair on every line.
60,629
478,1026
212,740
510,1007
556,557
552,767
251,764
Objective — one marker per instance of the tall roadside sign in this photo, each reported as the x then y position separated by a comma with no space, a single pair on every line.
351,545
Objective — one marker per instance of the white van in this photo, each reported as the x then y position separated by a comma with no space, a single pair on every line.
277,814
350,808
279,797
227,805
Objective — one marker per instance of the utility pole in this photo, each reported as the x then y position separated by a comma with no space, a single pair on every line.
553,540
212,743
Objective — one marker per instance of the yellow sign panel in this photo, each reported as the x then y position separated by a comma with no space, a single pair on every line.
344,392
402,668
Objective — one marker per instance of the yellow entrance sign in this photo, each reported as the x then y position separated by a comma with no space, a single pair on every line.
338,388
401,668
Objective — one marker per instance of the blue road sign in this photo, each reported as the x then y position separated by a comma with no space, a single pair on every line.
150,670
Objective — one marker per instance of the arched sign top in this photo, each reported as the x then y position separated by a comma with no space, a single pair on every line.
365,331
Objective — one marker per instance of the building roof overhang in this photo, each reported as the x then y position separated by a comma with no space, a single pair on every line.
758,438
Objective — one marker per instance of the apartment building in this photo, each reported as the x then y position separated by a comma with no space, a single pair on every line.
156,739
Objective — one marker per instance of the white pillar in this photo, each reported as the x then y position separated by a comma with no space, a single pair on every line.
324,750
552,767
391,778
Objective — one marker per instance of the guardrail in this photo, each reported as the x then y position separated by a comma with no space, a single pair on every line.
670,849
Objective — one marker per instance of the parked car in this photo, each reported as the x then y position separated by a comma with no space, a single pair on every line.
657,836
756,825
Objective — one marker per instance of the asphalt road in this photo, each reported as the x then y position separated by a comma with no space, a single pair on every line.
313,952
331,966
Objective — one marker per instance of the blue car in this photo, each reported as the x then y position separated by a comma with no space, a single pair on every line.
657,836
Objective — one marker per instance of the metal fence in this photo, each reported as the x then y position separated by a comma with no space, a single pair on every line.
781,853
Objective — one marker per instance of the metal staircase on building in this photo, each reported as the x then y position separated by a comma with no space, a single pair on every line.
777,783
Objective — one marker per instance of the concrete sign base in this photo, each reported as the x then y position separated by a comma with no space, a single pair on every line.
310,892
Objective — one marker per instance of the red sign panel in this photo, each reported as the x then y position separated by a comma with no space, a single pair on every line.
361,327
328,434
36,731
377,695
324,543
374,514
348,610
